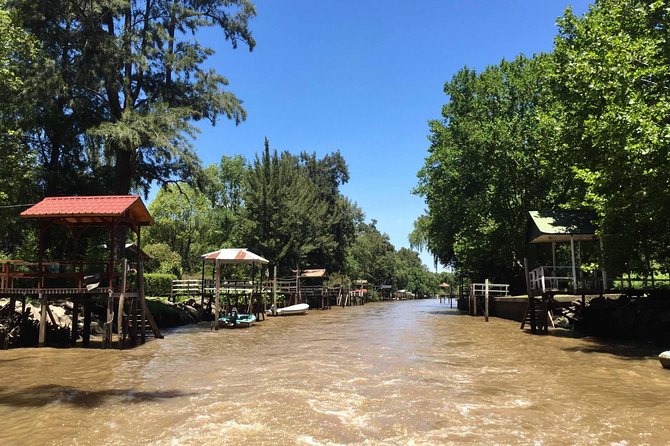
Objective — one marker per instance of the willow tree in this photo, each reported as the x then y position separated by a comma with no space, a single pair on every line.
128,80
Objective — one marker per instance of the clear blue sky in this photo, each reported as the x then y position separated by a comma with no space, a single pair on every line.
364,77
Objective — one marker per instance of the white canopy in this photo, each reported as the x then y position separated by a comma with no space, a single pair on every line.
235,256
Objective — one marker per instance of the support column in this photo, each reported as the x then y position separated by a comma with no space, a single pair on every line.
142,300
574,266
43,319
74,331
122,301
274,291
217,302
86,335
602,261
486,300
202,292
109,319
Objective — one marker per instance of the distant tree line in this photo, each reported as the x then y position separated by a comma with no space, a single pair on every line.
584,127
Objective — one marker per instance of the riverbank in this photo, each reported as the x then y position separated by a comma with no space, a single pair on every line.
166,314
612,316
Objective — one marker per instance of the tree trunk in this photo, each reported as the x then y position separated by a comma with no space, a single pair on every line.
123,171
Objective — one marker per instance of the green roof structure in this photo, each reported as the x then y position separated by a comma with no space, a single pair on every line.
560,226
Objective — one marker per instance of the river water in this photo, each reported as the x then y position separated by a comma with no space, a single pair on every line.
412,372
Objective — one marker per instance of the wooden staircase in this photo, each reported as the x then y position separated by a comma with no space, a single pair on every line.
134,329
538,315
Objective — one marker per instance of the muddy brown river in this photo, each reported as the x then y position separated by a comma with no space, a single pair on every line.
399,373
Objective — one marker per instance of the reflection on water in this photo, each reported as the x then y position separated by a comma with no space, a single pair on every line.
391,373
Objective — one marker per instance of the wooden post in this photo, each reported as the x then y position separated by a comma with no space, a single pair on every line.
574,265
122,301
74,333
274,291
217,305
140,289
486,300
43,319
202,292
86,335
107,334
298,297
602,260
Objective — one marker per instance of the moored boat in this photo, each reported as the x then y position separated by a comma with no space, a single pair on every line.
237,320
293,310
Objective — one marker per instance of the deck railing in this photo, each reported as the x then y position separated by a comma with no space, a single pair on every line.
19,274
495,289
560,279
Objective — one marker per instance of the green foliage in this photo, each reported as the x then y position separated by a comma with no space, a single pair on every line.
371,256
611,70
18,51
122,83
484,170
182,223
158,284
163,260
411,274
287,218
583,127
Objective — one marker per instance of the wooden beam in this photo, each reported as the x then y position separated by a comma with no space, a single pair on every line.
43,320
217,307
574,265
122,301
74,333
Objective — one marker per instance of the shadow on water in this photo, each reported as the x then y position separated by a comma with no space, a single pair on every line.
23,358
446,312
630,350
38,396
634,351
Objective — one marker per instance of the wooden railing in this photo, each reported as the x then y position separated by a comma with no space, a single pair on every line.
560,279
19,274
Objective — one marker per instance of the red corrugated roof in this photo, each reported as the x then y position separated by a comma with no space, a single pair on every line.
83,208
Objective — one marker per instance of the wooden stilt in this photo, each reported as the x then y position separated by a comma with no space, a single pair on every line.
43,319
486,300
86,335
74,331
202,292
109,319
142,301
134,309
122,301
217,306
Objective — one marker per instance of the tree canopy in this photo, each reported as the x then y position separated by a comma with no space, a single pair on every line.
584,127
122,84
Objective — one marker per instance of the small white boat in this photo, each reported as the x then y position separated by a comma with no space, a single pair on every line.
293,309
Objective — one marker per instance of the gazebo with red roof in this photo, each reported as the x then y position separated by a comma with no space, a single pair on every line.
117,213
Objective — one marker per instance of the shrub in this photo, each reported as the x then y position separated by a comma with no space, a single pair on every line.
163,260
158,284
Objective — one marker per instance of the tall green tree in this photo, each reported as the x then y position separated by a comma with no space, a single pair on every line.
611,73
283,214
486,168
371,257
18,51
328,174
182,222
128,81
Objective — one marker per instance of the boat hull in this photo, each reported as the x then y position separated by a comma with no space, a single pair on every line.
293,310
